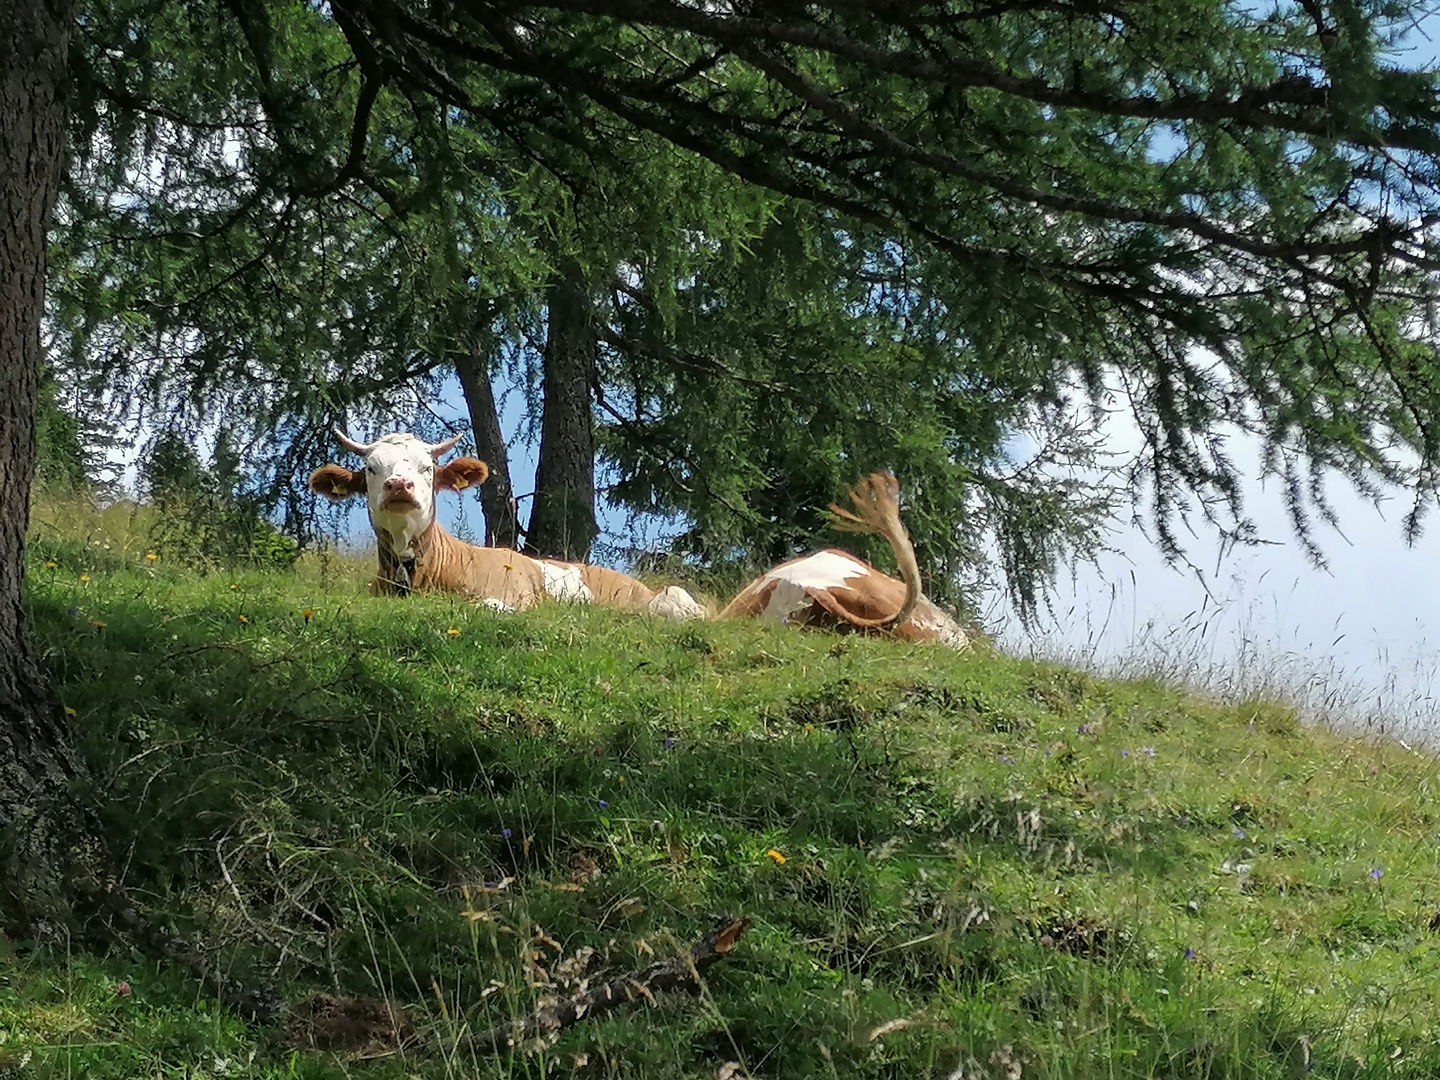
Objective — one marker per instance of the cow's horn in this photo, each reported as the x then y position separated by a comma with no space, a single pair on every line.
351,445
436,449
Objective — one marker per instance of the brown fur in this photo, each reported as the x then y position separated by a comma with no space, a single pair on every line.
445,564
877,501
610,588
461,473
337,483
874,601
871,602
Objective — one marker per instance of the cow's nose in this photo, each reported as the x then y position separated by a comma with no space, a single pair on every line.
399,483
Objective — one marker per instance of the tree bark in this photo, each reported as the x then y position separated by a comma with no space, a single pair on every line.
43,829
562,523
497,495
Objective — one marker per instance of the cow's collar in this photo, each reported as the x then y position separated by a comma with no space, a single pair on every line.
405,575
405,562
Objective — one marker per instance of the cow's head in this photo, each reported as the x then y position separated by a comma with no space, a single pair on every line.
399,479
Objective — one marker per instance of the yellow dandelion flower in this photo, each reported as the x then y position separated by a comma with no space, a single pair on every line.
69,711
234,587
775,857
245,619
97,624
50,566
150,556
84,579
307,614
454,631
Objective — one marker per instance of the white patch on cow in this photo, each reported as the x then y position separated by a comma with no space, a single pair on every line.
673,602
401,459
565,583
823,570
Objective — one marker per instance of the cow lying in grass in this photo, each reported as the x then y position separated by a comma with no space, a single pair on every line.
830,589
400,478
835,590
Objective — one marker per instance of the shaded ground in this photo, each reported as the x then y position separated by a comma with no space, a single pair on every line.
951,863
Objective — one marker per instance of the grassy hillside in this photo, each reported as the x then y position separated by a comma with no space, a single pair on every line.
956,866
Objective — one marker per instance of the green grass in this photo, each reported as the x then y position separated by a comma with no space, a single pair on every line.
981,847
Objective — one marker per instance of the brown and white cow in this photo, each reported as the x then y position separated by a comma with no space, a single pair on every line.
400,479
834,590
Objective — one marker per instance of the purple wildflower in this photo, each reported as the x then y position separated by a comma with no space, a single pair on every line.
1085,729
1239,834
506,833
1124,753
73,612
1376,873
1250,727
669,744
1189,954
1004,759
601,803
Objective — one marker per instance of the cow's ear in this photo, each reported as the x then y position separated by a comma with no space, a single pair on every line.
337,483
461,473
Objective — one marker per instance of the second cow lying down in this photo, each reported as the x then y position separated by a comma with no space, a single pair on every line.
400,478
830,589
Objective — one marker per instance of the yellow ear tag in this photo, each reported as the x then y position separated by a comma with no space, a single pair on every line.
338,489
461,482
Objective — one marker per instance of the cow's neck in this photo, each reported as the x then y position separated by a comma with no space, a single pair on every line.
402,551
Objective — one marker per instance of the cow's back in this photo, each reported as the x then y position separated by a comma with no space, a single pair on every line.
498,575
612,589
834,590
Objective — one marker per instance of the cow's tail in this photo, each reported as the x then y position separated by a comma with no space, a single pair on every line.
877,510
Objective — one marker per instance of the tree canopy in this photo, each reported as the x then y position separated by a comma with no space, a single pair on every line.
819,239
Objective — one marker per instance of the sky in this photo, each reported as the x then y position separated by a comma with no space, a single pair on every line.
1357,640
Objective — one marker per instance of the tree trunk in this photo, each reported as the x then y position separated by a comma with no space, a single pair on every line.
562,524
42,828
497,496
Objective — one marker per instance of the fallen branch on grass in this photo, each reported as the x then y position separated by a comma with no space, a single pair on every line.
680,974
256,1002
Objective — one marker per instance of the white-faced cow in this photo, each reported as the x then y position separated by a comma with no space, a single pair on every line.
400,478
835,590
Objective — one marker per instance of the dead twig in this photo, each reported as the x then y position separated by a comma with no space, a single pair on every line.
683,973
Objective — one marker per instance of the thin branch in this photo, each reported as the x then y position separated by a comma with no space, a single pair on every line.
851,123
680,975
1252,107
